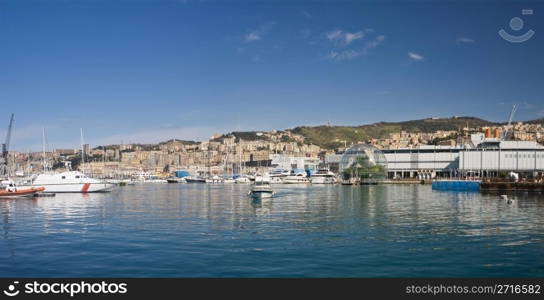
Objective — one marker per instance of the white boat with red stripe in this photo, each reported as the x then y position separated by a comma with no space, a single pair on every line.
68,182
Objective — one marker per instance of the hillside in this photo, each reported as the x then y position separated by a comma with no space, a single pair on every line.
537,121
334,136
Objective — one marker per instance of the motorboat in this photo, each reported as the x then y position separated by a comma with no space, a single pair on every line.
21,192
214,179
195,179
176,180
261,190
242,179
155,180
229,180
265,177
278,175
323,176
296,177
9,189
67,182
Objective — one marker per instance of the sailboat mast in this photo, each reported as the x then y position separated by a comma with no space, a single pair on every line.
43,149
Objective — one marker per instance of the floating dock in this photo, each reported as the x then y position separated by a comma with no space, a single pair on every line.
456,185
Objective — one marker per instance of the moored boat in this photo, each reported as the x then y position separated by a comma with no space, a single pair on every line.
67,182
176,180
296,177
195,179
214,179
18,192
242,179
323,176
278,175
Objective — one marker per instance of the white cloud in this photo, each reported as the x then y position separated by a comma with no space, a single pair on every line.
252,36
375,43
350,37
353,53
257,34
334,35
415,56
343,38
465,40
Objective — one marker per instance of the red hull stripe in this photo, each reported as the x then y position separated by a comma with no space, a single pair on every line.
85,187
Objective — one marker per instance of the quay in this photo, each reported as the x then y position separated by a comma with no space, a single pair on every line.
491,186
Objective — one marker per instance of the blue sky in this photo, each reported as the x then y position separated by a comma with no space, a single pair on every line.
146,71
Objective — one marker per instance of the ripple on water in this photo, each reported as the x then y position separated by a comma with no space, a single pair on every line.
198,230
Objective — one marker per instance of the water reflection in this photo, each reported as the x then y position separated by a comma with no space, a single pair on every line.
191,229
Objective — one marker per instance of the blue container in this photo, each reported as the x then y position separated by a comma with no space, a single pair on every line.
181,174
456,185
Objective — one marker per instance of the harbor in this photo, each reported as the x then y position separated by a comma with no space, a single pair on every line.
490,160
147,146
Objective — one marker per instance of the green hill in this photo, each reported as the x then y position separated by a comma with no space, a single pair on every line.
331,137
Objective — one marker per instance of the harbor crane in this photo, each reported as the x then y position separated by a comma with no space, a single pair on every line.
4,161
509,131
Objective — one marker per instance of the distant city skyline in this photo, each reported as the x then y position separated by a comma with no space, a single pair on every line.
145,72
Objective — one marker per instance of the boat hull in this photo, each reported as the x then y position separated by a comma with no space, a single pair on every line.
261,194
76,187
322,180
276,180
21,192
296,181
242,180
192,180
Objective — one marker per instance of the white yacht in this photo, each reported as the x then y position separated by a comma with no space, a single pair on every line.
67,182
296,177
262,178
242,179
214,179
323,176
229,180
278,175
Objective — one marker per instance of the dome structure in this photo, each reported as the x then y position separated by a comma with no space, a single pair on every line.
363,163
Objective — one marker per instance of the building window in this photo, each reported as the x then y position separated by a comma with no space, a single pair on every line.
63,177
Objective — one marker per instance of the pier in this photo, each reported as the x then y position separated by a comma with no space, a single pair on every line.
512,186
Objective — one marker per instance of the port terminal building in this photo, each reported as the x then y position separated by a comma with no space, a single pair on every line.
483,157
487,159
